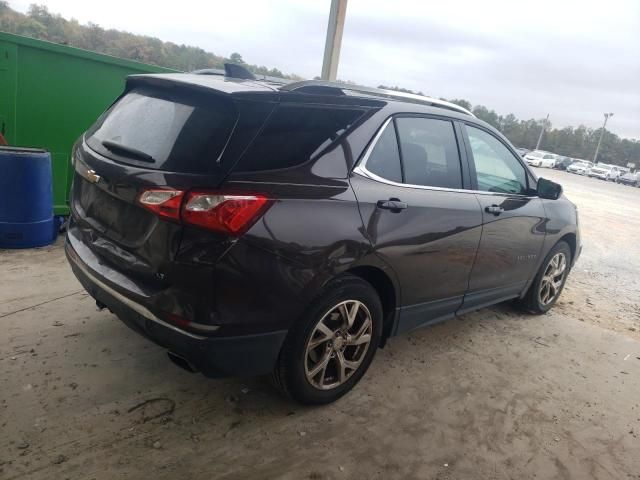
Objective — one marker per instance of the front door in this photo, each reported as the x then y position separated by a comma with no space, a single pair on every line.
418,217
513,221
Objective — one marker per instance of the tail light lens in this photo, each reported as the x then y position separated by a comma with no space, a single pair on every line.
163,202
228,213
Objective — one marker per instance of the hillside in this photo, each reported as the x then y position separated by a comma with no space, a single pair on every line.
41,24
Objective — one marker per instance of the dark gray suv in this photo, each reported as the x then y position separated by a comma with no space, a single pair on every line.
251,227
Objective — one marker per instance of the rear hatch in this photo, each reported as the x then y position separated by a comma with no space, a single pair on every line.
155,135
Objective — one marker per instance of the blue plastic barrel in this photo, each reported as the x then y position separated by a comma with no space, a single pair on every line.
26,198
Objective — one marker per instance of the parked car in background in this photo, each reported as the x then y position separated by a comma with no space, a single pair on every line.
562,163
632,179
604,172
540,158
250,228
522,151
579,166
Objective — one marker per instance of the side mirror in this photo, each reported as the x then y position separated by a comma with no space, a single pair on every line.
548,189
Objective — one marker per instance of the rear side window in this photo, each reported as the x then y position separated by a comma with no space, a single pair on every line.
384,160
429,152
165,131
295,134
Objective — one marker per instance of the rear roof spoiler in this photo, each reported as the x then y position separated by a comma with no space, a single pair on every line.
231,70
240,72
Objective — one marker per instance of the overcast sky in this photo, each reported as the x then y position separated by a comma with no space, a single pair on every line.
572,59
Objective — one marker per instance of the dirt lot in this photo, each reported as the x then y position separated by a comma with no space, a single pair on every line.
494,394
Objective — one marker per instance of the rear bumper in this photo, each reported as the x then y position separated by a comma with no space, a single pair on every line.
245,355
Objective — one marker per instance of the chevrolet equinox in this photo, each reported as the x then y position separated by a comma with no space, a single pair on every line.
253,227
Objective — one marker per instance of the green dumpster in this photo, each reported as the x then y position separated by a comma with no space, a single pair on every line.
50,94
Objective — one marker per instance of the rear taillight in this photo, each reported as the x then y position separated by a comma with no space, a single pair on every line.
230,213
223,212
164,202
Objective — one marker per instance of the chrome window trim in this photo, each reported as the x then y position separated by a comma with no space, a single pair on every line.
361,169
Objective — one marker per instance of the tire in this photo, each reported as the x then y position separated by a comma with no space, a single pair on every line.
534,300
297,362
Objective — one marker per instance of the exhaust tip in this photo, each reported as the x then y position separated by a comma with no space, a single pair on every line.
181,362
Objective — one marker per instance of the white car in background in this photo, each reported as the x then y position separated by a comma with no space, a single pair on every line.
579,166
604,172
540,158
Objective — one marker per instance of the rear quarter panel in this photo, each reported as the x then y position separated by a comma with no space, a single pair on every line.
308,236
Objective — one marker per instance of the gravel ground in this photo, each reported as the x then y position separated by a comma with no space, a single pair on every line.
493,394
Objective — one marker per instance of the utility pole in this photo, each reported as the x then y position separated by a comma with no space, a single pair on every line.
544,127
606,117
332,45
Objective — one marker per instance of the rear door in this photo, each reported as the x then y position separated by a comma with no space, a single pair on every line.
513,229
417,215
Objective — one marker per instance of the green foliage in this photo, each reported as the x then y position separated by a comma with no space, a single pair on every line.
235,57
41,24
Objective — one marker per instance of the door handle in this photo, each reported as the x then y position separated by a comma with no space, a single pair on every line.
495,209
393,204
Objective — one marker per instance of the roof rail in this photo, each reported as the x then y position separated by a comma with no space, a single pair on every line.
375,92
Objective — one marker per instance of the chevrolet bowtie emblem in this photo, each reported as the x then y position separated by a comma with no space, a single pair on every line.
92,176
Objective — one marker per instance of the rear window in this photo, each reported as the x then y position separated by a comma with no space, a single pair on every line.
165,131
295,134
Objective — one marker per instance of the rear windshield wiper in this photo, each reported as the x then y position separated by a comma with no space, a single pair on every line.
129,151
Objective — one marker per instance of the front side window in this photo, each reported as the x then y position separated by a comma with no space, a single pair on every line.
429,152
497,169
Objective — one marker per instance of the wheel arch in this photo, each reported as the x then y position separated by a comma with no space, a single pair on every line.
387,291
572,240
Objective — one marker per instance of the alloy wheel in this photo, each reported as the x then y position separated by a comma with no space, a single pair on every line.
552,279
338,344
